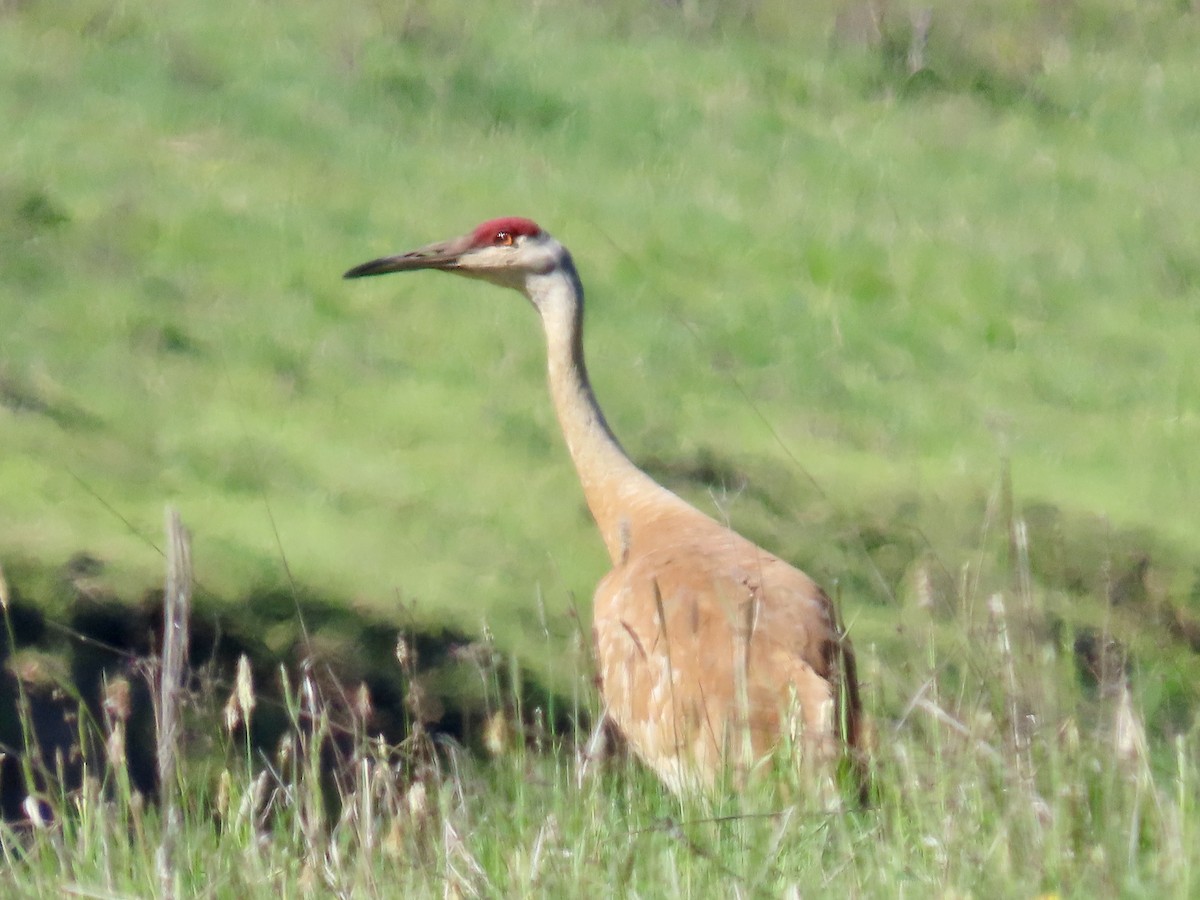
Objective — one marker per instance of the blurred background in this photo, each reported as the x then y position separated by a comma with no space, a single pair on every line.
905,292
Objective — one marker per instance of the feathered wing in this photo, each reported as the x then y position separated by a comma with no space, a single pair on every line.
711,650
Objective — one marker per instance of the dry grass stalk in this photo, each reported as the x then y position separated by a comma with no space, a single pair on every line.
176,611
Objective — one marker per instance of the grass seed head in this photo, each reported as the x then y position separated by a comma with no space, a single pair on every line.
244,687
117,699
115,745
497,735
418,802
406,655
232,714
363,707
241,700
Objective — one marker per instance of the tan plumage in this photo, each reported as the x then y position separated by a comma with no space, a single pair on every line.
711,650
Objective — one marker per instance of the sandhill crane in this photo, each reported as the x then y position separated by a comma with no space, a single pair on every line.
711,651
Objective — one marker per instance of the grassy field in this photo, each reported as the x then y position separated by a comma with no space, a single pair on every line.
1004,779
929,334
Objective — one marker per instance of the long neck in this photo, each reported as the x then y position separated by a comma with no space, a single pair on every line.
619,494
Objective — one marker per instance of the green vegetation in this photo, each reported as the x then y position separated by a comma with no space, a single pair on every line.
1005,779
845,285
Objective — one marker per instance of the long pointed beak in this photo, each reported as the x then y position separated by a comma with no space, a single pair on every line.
442,255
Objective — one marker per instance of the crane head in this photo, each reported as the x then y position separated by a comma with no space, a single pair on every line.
503,251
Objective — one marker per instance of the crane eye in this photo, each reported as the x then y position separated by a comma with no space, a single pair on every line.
504,238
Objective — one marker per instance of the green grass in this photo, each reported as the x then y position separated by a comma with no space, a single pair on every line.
833,302
1001,777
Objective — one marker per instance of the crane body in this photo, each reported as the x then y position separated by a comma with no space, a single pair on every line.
711,651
